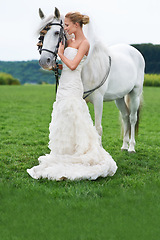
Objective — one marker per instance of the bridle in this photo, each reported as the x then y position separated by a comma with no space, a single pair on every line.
62,38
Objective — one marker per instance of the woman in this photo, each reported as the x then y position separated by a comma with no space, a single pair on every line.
76,151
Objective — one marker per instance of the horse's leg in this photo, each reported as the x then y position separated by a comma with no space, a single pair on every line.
134,106
98,109
120,103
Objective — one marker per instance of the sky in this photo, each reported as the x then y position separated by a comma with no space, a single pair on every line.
116,21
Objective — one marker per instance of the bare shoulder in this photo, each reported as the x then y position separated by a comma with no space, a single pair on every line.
85,43
84,47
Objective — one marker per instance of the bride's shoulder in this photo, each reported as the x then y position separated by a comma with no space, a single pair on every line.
85,43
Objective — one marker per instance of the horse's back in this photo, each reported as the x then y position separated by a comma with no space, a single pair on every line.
128,51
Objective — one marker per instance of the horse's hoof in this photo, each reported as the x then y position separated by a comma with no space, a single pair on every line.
133,151
124,149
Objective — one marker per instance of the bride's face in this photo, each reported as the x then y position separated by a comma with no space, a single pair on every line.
69,27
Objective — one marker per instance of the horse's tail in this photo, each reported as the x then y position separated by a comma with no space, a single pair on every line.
138,114
127,101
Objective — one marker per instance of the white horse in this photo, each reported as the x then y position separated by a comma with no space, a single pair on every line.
126,76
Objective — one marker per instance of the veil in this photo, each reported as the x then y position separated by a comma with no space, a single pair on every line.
97,63
91,35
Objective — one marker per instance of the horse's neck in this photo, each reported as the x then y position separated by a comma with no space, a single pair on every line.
96,64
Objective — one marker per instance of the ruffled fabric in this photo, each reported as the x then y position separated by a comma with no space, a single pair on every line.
76,151
75,146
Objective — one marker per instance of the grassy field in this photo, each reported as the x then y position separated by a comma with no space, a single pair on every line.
123,207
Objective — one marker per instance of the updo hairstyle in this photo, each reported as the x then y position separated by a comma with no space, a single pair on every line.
77,17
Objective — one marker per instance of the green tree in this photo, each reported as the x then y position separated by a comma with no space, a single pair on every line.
151,54
8,79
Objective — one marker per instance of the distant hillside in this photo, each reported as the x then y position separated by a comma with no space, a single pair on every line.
27,72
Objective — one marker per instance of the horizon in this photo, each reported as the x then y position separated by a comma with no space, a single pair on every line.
26,60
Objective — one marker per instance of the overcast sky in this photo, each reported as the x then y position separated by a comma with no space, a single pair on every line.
118,21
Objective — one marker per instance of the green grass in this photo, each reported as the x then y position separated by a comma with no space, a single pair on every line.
152,80
123,207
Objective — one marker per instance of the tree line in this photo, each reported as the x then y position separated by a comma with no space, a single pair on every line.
30,72
151,54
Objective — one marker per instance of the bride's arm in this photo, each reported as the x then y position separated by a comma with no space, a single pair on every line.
73,64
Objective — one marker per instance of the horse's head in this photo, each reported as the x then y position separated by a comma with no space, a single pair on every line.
51,33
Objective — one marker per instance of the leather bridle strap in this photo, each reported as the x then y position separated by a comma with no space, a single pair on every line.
44,49
59,40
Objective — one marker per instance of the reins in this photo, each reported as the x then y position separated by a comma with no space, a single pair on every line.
62,37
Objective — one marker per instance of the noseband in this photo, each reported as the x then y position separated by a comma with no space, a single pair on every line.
62,37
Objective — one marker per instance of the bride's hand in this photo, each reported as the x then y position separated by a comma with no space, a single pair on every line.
61,49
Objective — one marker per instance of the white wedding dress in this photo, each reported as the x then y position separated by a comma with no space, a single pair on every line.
76,151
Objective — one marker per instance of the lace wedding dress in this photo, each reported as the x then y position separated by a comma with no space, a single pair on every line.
76,151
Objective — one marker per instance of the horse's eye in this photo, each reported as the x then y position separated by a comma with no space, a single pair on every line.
56,33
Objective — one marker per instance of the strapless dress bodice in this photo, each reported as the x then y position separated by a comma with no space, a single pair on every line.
70,53
70,83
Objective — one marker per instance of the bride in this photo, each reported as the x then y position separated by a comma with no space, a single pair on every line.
76,151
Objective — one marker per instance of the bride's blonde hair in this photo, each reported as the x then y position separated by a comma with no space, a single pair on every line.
77,17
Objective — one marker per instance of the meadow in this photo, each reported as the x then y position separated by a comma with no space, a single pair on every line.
125,206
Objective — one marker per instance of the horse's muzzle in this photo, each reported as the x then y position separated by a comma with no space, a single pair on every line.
46,63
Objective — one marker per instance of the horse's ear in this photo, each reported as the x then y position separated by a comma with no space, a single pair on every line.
57,13
41,14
